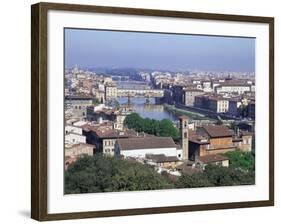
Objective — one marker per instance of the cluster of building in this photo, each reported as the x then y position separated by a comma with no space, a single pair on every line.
86,83
226,94
92,126
197,147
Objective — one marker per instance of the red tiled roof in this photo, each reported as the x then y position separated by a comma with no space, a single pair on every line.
212,158
215,131
146,143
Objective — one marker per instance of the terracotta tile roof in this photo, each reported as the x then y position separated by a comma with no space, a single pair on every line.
110,133
212,158
215,131
196,138
146,143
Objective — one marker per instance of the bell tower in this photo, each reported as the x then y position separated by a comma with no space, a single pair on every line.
184,136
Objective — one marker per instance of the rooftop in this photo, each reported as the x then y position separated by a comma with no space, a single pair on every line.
146,143
212,158
215,131
108,132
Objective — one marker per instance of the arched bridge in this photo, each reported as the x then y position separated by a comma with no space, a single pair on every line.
147,93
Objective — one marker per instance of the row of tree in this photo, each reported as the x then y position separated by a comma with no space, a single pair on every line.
108,174
164,128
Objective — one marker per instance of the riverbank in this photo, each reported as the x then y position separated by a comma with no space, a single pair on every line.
179,112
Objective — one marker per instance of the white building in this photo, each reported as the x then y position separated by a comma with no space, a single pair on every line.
140,147
232,88
74,138
73,129
74,135
79,149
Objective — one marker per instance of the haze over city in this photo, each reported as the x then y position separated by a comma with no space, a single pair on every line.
98,48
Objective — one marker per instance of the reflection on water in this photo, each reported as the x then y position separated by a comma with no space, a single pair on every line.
151,110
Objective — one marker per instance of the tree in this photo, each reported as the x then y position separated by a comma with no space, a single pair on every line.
167,129
106,174
164,128
194,180
242,160
228,176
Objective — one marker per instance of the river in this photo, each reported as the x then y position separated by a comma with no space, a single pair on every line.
151,110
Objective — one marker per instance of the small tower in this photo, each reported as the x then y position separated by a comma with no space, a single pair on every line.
184,136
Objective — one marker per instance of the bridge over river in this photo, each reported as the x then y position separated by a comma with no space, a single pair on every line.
147,93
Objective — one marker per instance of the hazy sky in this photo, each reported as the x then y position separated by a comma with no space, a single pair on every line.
96,48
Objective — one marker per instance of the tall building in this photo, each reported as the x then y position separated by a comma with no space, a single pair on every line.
184,136
189,96
110,91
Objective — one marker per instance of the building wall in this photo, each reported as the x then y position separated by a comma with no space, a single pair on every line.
222,106
219,106
194,150
110,92
179,153
202,102
246,145
119,124
204,151
78,107
178,94
251,110
222,141
189,97
142,152
233,108
184,142
79,149
70,128
75,138
230,89
108,146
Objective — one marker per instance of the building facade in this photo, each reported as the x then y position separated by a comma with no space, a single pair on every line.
190,94
142,146
232,88
110,91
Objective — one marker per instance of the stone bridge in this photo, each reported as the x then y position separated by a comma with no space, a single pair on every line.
147,93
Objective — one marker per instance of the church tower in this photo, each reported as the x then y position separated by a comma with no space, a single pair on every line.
184,136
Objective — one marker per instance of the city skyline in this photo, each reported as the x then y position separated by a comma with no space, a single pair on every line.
100,48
